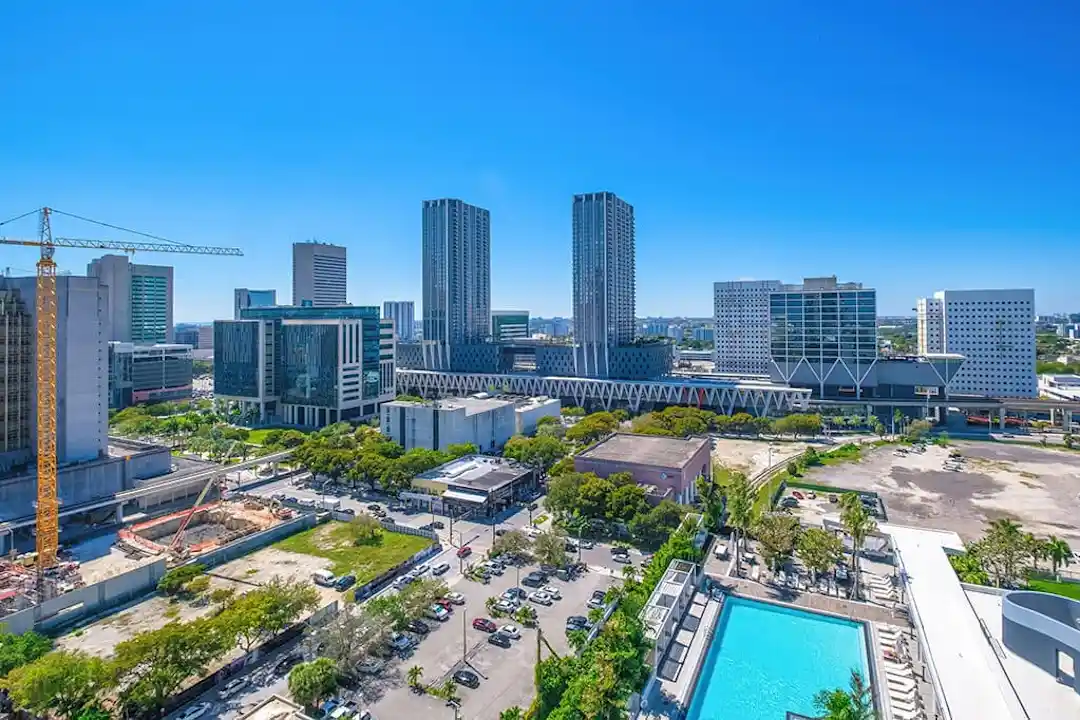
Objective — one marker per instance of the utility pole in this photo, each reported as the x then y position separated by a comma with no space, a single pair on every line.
464,638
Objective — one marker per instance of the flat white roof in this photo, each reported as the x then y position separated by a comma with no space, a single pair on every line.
972,681
471,405
1042,695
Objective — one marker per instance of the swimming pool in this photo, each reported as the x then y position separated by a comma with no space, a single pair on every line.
767,659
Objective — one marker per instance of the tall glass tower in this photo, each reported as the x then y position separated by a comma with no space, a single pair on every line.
603,279
457,272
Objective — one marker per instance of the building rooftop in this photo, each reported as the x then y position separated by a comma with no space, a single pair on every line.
646,450
276,707
533,403
476,472
310,312
664,596
472,405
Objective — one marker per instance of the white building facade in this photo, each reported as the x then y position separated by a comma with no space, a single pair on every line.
741,325
140,299
319,274
403,313
931,328
456,240
528,413
484,422
604,278
995,331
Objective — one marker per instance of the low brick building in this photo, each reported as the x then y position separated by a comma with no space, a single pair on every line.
665,463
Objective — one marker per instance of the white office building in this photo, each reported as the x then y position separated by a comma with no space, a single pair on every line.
456,272
529,412
931,328
994,330
436,425
403,313
140,299
318,274
604,279
741,325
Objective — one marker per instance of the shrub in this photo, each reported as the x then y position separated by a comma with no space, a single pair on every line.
173,582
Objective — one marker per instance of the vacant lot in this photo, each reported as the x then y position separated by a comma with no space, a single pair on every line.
336,541
752,456
1039,488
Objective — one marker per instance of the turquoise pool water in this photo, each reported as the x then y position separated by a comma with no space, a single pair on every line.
766,660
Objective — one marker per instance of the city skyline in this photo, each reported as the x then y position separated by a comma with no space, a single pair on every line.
787,146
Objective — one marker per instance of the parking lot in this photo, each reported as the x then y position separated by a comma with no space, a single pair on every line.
1037,487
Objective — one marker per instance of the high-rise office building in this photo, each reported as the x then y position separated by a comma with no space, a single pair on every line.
509,324
604,282
456,272
140,299
823,334
16,375
741,325
994,330
403,313
148,373
318,274
82,372
245,298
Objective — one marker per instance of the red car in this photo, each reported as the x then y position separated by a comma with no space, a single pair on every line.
484,624
464,551
446,604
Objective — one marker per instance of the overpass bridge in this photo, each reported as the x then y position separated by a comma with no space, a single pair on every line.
164,491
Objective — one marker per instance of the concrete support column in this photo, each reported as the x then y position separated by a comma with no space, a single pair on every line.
1001,419
119,516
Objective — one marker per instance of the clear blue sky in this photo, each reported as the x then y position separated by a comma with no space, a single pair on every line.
912,146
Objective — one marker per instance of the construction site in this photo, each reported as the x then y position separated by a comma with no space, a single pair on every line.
190,533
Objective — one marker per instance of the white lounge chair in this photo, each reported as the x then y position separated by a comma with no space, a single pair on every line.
900,714
903,706
889,630
900,672
902,684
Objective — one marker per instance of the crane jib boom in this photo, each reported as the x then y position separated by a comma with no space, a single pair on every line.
47,523
178,538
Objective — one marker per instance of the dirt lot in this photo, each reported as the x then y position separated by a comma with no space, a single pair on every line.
242,574
1039,488
752,456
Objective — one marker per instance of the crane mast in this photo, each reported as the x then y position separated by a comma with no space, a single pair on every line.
48,510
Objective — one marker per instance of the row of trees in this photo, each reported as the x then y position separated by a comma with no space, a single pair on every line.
146,670
678,421
1006,556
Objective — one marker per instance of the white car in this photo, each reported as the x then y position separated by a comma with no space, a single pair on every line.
540,598
510,631
506,606
494,567
421,569
232,687
552,592
195,711
440,568
456,598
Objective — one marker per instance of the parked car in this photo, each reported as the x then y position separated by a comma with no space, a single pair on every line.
552,592
577,622
233,686
540,598
345,582
464,552
347,511
456,598
445,604
305,502
506,606
467,678
374,507
499,639
510,631
599,595
285,662
484,624
533,581
509,595
194,711
437,612
438,525
418,626
401,642
516,592
494,567
440,568
370,666
594,603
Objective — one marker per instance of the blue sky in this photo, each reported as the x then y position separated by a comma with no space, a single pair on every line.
910,145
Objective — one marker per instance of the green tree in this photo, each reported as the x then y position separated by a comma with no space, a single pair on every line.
593,496
413,676
918,430
592,427
222,596
173,582
652,528
572,411
854,704
777,534
311,682
969,569
1036,549
563,493
462,449
61,683
197,585
549,548
898,419
154,664
512,713
1059,553
740,507
819,550
1003,552
858,524
540,452
514,543
259,615
18,650
366,528
711,497
878,427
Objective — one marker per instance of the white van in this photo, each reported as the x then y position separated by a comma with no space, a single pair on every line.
323,577
331,504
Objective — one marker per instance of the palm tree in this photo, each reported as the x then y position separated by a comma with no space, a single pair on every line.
897,419
858,524
1036,548
514,713
740,505
413,676
853,704
577,524
1059,553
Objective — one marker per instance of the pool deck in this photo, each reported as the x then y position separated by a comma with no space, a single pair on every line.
968,674
670,697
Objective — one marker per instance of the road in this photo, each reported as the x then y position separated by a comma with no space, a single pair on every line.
508,673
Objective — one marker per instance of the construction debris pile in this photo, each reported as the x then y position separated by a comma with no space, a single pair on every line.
192,532
21,586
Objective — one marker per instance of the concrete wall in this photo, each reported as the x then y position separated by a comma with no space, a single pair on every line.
253,542
1037,626
86,602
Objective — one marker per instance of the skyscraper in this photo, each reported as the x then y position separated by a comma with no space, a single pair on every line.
140,299
509,324
403,313
995,332
741,325
603,279
318,274
457,272
245,298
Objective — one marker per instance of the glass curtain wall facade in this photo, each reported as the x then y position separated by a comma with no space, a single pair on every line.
149,309
309,364
236,358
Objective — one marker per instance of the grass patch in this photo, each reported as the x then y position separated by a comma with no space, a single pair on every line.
258,437
842,454
1069,590
336,541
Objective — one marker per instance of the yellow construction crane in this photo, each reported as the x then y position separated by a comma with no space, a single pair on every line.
48,511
